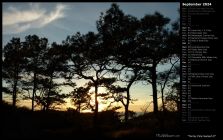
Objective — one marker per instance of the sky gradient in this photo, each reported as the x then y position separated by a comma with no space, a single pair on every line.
58,20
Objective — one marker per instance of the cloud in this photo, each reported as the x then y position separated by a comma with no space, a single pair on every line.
17,21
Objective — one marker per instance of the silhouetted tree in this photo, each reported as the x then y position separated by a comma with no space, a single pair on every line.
88,60
167,78
55,59
118,92
118,32
35,49
156,45
13,66
81,98
1,97
124,46
139,45
172,99
49,96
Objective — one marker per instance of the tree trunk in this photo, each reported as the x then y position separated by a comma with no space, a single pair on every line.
34,90
127,106
96,104
154,87
163,105
128,96
49,92
14,94
44,108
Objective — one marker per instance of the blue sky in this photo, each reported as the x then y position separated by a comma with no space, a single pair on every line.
57,20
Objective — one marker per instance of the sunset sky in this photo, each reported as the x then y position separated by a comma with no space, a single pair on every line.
58,20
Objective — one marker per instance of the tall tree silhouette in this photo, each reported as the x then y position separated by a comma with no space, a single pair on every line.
54,65
139,45
153,39
170,77
118,33
88,60
13,66
35,49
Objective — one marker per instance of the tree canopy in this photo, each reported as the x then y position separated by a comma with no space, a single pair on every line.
124,51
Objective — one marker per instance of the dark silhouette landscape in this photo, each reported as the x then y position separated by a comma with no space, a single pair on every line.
23,124
124,51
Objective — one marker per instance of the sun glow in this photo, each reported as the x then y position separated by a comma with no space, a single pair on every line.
102,104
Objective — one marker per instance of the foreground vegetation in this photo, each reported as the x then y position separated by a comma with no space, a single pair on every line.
24,124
